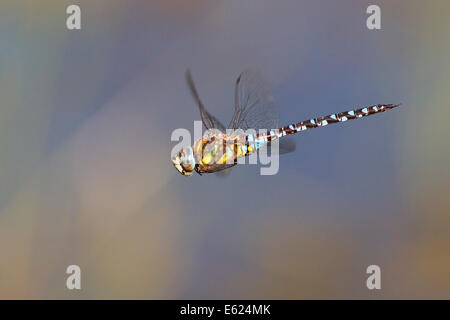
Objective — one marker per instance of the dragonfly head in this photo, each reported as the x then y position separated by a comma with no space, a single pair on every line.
184,161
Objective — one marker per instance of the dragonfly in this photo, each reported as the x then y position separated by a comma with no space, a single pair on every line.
255,109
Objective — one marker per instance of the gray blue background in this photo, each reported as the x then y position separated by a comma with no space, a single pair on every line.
85,171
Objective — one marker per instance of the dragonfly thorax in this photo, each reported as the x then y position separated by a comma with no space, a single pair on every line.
216,151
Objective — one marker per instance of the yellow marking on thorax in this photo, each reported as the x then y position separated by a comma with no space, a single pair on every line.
207,158
214,153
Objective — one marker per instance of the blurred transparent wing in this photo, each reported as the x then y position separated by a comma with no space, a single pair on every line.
223,173
208,120
255,106
285,145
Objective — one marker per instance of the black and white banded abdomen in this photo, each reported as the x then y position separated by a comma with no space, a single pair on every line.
324,121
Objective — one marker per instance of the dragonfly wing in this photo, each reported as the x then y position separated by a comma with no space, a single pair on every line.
209,121
223,173
255,106
286,145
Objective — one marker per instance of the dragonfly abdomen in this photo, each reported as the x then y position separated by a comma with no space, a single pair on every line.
326,120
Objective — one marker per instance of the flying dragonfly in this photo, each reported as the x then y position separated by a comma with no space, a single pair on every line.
254,109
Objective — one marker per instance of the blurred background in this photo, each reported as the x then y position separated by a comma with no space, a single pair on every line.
85,171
